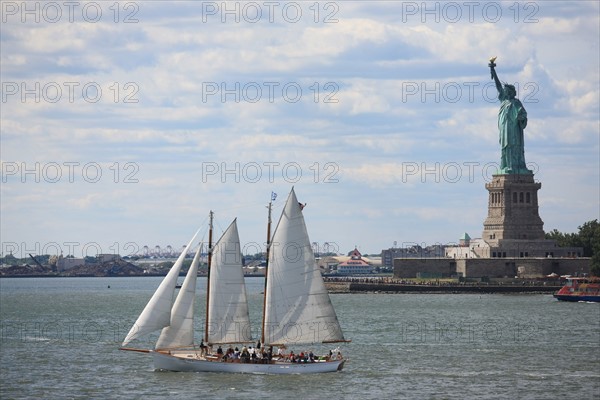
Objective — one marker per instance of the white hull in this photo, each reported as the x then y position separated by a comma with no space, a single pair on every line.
168,362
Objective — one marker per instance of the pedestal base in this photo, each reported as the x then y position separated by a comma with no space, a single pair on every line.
513,209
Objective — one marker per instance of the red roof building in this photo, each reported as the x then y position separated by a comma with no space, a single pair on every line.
355,265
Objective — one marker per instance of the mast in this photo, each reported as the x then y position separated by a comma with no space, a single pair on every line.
262,336
210,250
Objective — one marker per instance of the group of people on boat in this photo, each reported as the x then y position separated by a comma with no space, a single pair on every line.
246,355
308,357
258,355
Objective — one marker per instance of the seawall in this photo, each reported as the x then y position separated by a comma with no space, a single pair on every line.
352,287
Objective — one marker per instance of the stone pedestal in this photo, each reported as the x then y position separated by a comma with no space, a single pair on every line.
513,209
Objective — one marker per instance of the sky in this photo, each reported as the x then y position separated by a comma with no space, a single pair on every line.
124,123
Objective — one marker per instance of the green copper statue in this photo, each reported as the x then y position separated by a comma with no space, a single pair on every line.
512,120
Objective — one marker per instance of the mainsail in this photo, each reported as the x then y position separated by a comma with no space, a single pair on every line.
297,306
180,332
157,313
228,319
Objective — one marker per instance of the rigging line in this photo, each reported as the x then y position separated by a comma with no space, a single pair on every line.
217,227
195,248
202,240
203,223
204,231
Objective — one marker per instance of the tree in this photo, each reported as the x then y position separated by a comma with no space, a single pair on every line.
595,267
564,239
589,235
588,238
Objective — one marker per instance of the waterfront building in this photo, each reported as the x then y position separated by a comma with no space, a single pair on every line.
355,265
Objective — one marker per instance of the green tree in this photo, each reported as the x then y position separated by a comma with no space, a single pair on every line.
9,259
564,239
589,236
595,267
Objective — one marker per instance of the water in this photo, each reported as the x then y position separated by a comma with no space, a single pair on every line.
59,339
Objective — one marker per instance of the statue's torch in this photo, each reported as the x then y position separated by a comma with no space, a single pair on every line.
492,64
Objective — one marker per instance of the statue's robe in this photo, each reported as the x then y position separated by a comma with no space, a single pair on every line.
512,119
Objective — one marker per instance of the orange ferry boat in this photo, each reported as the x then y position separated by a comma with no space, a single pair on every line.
580,289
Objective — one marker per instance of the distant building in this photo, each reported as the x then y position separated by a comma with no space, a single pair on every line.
489,267
512,248
102,258
65,263
411,250
329,264
464,240
355,265
388,255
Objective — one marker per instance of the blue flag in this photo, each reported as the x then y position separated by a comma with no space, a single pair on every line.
273,196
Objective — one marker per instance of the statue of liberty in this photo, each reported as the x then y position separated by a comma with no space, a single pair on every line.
512,120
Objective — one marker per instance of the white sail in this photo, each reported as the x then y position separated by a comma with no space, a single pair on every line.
180,331
297,306
228,319
157,313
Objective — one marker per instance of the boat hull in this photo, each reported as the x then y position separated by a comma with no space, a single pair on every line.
580,289
168,362
567,297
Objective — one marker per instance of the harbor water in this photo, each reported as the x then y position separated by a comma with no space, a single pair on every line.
59,338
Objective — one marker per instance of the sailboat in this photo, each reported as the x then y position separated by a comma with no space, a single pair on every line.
297,309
